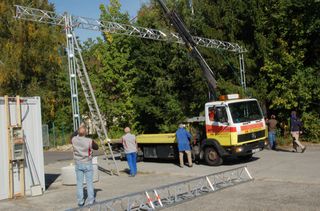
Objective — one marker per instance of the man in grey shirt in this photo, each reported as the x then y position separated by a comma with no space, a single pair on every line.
82,155
130,148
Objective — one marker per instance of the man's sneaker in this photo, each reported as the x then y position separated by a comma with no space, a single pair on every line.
304,149
92,203
81,204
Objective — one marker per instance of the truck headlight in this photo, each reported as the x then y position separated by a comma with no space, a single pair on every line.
239,149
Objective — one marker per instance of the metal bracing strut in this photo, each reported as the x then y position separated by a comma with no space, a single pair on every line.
170,195
242,72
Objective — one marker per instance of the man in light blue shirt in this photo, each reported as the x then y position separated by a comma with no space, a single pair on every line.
130,148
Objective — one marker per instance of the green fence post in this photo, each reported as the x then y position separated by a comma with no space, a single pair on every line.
54,134
63,136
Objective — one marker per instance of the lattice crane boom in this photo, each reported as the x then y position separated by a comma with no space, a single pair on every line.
53,18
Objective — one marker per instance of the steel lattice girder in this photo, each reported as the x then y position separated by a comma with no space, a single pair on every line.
50,17
169,195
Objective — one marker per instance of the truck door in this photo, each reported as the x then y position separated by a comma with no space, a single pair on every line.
218,125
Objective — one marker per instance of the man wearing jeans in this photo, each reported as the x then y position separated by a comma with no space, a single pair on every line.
272,129
130,148
82,154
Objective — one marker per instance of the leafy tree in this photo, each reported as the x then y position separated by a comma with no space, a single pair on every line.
170,86
30,61
112,73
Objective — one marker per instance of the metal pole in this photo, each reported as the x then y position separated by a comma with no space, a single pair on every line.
54,134
242,72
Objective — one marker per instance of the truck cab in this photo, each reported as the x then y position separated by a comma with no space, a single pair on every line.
233,127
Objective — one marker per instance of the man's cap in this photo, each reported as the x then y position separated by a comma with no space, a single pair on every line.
182,125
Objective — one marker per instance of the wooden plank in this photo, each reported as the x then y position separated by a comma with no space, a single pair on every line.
20,162
10,173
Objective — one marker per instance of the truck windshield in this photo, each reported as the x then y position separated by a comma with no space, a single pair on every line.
245,111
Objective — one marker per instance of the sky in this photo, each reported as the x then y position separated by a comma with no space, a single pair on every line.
90,9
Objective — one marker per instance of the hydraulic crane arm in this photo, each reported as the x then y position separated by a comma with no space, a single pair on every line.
190,44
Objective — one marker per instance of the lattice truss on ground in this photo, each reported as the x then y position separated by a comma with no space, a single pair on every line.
176,193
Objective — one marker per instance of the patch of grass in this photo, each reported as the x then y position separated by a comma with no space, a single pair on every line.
284,140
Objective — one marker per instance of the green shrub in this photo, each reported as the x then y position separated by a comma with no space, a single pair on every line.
311,127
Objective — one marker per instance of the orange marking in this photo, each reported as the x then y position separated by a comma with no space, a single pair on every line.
220,129
250,127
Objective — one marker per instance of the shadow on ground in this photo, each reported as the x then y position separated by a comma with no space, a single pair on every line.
229,161
85,193
235,160
284,150
50,178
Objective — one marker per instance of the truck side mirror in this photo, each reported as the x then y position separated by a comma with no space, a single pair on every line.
218,115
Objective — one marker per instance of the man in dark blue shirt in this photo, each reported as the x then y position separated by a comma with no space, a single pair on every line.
295,128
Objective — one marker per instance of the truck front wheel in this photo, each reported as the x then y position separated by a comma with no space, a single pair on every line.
211,157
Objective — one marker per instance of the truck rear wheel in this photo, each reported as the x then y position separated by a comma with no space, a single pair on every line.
212,157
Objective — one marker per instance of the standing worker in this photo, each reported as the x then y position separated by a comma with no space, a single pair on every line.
183,139
295,128
82,155
130,148
272,129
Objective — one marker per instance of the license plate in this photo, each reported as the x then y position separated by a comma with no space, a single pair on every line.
255,150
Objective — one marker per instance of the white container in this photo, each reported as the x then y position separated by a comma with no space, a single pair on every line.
68,173
32,127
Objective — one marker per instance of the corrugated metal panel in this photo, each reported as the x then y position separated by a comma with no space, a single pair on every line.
32,127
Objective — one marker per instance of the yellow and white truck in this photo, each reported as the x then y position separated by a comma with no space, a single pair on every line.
231,127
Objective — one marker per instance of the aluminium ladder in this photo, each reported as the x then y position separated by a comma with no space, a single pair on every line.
74,55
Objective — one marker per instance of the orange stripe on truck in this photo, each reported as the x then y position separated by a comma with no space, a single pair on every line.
253,126
220,129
